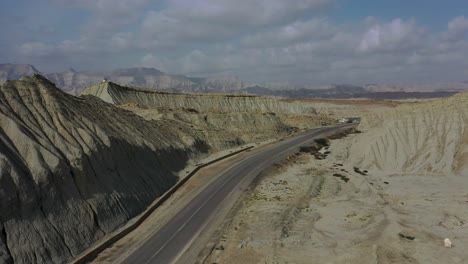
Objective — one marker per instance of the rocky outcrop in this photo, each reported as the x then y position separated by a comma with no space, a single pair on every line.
222,121
418,137
221,130
116,94
74,169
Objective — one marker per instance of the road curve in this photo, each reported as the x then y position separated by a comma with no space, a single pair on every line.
166,245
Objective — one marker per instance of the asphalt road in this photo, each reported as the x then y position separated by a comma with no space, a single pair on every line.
177,234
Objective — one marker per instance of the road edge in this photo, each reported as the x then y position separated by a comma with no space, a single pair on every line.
90,254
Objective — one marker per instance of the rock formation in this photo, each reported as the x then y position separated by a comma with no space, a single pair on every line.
117,94
74,169
220,120
418,137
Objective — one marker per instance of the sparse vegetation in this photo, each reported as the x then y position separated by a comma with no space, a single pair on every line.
406,236
341,176
322,141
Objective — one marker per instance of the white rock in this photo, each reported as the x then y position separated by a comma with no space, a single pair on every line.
447,243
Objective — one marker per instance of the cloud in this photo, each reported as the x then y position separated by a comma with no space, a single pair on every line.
392,36
36,49
121,9
217,20
258,40
107,16
319,51
458,28
297,31
252,13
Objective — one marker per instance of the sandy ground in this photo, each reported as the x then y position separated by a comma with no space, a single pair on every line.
326,211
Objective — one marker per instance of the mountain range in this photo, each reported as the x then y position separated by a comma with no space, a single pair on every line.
74,82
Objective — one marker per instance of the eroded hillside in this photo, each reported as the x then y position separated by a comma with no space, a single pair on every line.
74,169
423,137
116,94
391,194
221,120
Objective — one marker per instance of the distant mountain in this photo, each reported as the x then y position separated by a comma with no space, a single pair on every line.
347,92
334,91
74,82
10,71
224,83
433,87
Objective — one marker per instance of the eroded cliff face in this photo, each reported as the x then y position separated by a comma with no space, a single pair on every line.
222,121
418,137
74,169
116,94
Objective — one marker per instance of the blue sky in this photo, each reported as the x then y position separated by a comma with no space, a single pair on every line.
434,14
298,41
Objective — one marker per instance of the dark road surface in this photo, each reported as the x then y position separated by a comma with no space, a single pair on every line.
175,236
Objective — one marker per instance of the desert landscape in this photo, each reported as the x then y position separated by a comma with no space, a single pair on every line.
389,190
71,177
221,131
390,194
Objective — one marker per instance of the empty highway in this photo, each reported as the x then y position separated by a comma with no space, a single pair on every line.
169,243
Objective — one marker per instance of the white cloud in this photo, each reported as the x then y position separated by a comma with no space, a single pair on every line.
120,9
393,36
297,31
36,49
217,20
253,13
458,28
107,16
260,40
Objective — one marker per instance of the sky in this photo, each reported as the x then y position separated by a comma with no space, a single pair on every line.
287,41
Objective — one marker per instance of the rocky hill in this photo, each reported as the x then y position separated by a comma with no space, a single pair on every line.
117,94
10,71
220,120
74,169
418,137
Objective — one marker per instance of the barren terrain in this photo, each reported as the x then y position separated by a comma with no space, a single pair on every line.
75,169
391,194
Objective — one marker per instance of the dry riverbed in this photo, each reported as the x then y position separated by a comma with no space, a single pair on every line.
309,210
